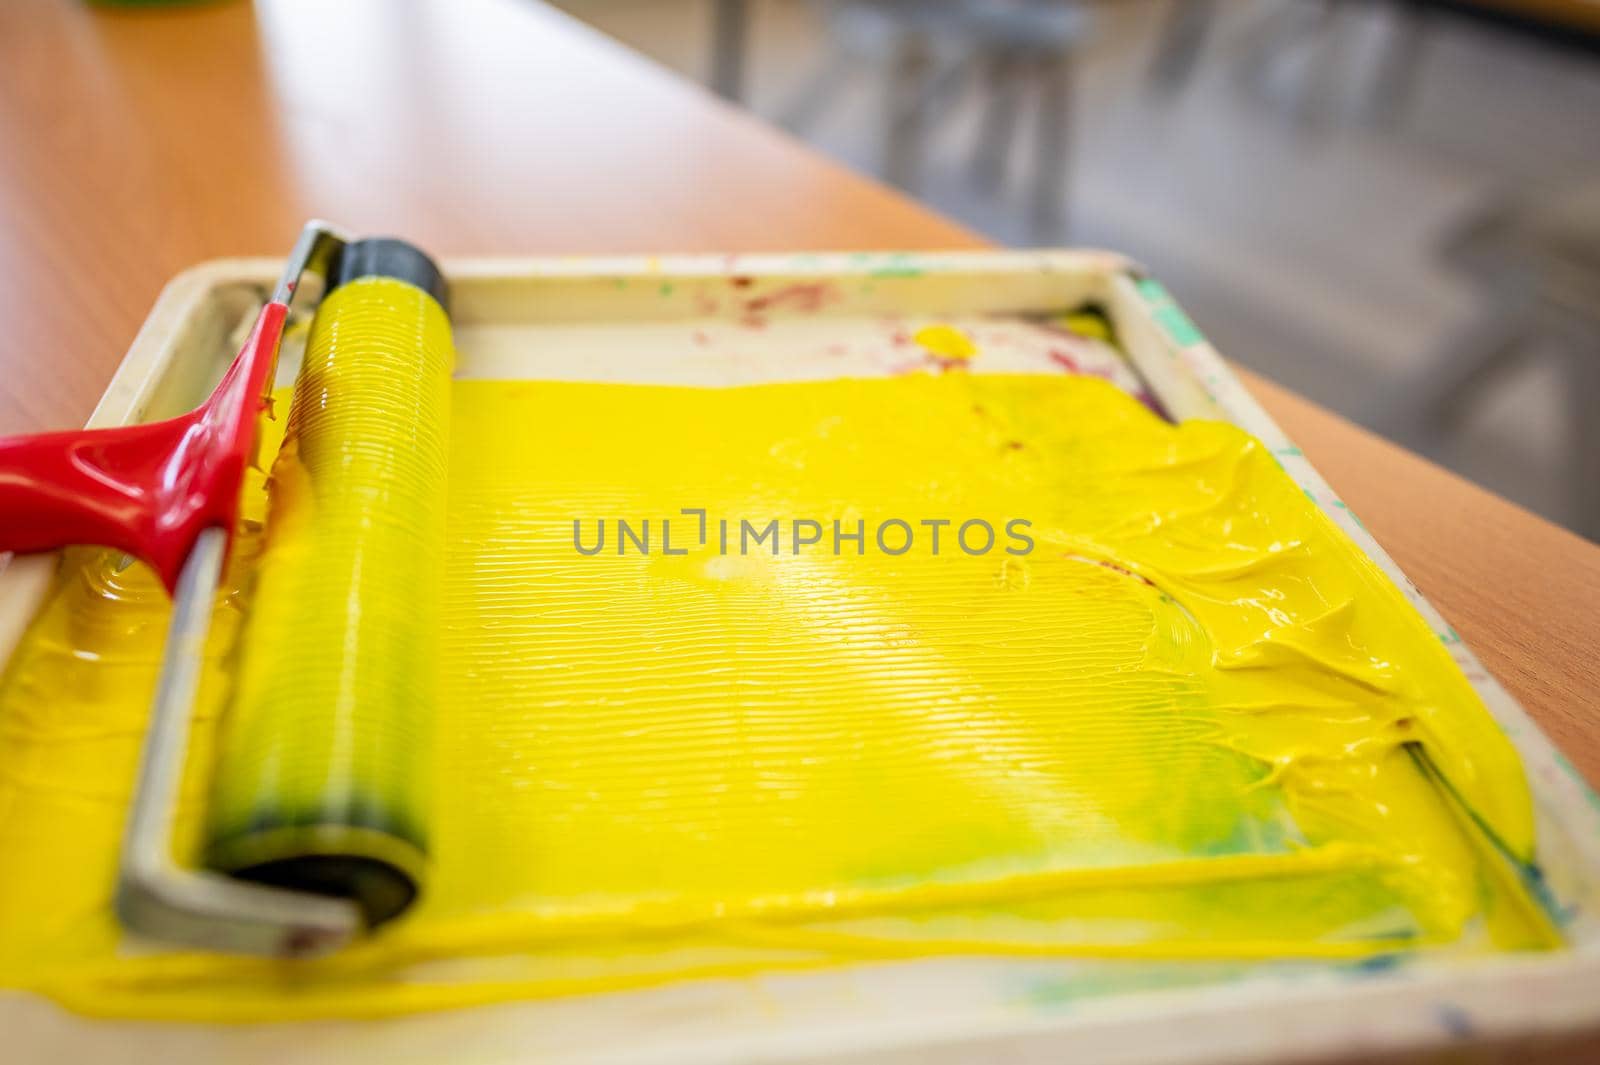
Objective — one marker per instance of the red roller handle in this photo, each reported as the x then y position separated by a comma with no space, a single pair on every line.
150,489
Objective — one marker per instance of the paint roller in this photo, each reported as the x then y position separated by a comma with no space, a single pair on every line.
316,826
322,771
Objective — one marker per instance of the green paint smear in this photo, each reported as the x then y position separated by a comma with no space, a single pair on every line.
897,264
1169,315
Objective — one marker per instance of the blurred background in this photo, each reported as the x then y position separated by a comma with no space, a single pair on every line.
1391,206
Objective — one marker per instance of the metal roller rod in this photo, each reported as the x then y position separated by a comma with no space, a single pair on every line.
156,897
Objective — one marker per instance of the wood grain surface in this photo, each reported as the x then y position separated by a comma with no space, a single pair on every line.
136,142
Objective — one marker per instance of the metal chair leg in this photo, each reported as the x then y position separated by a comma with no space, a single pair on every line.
1048,209
729,33
1580,344
999,123
1178,52
1395,84
905,119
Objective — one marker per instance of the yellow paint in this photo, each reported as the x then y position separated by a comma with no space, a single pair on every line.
945,342
1090,324
1177,728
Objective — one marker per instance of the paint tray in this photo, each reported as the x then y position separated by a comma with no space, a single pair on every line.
718,321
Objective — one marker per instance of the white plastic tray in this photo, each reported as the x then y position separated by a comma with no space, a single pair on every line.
721,320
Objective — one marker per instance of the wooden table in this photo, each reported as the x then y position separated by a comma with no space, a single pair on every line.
134,143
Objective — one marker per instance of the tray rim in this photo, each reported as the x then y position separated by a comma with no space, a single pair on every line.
1546,996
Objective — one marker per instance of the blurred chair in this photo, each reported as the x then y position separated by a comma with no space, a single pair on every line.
1188,24
1536,264
1274,31
930,50
1290,25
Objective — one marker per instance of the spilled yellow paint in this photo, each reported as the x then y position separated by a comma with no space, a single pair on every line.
1089,324
946,342
1182,725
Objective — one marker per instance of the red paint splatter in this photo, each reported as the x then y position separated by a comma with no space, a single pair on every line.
807,297
947,365
1115,568
702,338
1065,361
1153,403
900,339
838,349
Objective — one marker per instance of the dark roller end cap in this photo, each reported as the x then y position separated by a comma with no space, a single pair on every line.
389,257
380,890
